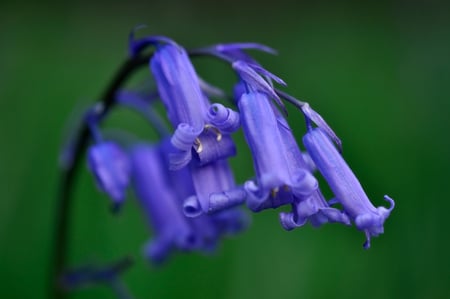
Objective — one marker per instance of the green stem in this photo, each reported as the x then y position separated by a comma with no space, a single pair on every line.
69,172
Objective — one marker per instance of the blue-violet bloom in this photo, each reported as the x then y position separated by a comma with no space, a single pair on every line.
221,219
170,226
314,206
111,168
188,107
179,90
345,185
275,185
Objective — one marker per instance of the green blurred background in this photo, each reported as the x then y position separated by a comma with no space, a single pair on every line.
379,73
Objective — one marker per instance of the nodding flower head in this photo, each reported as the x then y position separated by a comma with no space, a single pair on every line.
179,90
275,184
345,185
208,194
111,168
170,226
217,197
179,86
312,207
184,182
189,109
162,193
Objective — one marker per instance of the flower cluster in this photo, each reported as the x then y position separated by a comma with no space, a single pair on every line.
184,182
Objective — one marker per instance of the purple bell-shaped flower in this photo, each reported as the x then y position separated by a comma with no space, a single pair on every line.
345,185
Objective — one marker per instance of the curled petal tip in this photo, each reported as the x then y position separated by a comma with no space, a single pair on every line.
184,137
288,222
391,203
223,118
192,207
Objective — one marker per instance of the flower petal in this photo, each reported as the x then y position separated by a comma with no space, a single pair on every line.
178,86
111,168
211,146
225,119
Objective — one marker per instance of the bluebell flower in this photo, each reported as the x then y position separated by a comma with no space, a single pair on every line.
312,207
180,181
188,108
162,191
179,87
345,185
221,217
170,226
275,185
179,90
111,168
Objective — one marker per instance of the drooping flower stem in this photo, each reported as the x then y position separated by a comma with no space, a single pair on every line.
69,171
